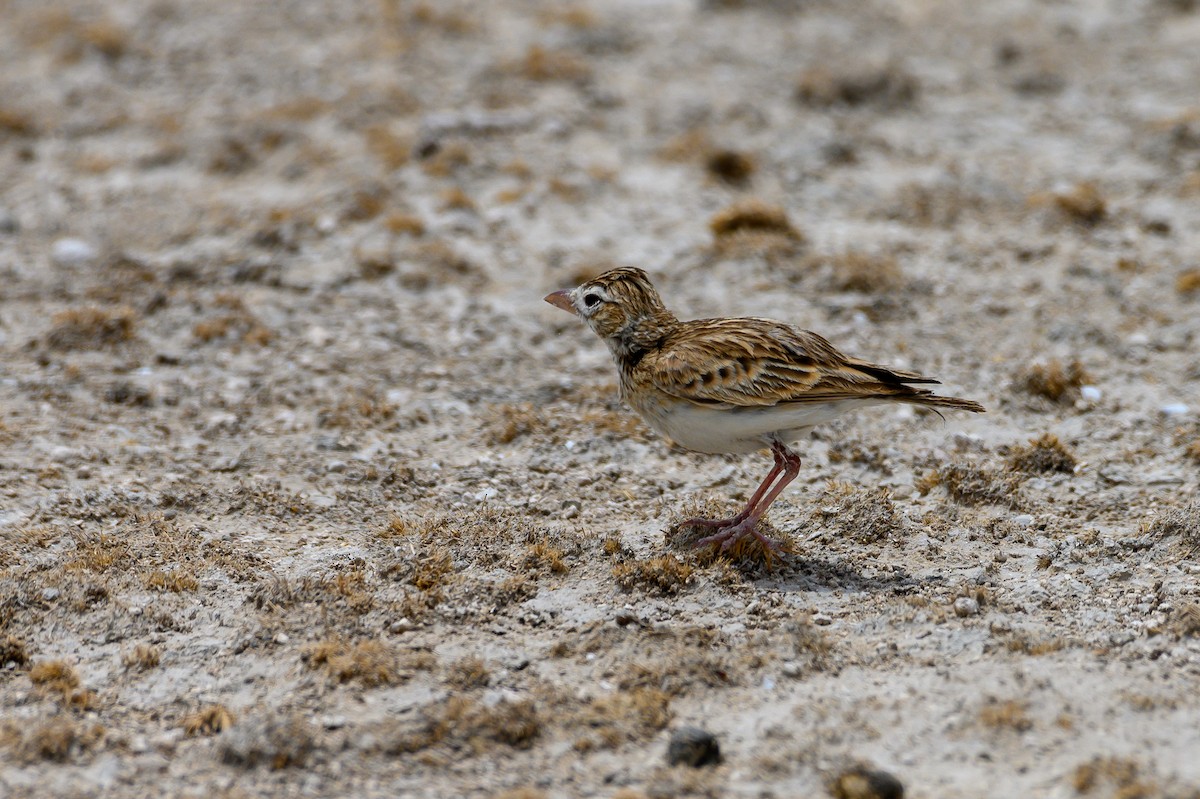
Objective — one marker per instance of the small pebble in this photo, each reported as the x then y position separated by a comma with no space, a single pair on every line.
1023,520
966,606
692,746
282,638
1090,393
822,619
403,625
50,594
861,782
73,253
1174,409
791,669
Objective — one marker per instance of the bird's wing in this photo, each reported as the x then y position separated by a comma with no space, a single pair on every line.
760,362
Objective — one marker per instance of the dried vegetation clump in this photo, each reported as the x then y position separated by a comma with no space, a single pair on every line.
753,224
867,273
13,650
359,409
1186,620
208,720
866,515
369,663
91,328
1083,204
969,484
1042,455
573,416
468,673
1121,776
177,581
1188,282
543,556
1054,381
620,717
236,324
1183,523
60,739
665,575
143,657
886,87
540,64
1011,714
277,741
460,723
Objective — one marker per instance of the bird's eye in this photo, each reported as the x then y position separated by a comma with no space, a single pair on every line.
591,300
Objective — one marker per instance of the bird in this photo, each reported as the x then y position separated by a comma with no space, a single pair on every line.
733,385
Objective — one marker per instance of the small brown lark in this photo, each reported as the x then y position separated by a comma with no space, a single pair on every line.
732,385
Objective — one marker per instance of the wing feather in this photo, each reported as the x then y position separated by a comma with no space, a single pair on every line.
760,362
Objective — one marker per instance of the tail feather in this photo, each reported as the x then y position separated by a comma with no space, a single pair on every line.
930,400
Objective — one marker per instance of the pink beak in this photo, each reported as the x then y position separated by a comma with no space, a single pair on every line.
562,299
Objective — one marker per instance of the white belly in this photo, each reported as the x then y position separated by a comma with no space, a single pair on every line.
738,430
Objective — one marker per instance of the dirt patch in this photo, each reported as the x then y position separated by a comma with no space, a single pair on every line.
303,489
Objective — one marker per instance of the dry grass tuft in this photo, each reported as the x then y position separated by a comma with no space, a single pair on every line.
143,657
360,409
752,227
1043,455
858,271
176,580
621,717
665,575
402,223
391,150
16,123
370,663
866,516
13,650
1186,620
278,742
1011,714
752,216
1182,522
54,676
1054,381
887,87
1188,282
541,64
60,739
470,672
972,485
1122,774
1083,204
543,556
208,720
91,328
461,722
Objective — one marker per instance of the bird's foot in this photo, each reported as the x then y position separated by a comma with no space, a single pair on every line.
726,537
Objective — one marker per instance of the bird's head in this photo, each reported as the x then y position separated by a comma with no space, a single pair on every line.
621,306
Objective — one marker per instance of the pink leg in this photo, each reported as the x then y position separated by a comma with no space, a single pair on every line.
789,463
754,500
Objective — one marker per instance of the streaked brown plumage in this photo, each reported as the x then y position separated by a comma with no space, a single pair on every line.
733,385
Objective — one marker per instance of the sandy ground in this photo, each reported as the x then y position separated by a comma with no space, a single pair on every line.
305,492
